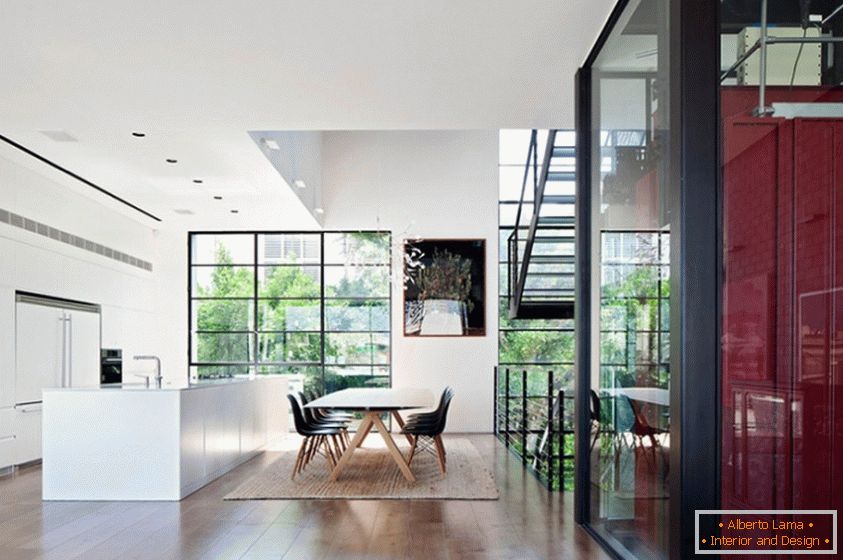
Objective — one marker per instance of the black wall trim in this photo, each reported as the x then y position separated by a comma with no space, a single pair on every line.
582,297
695,395
614,16
66,171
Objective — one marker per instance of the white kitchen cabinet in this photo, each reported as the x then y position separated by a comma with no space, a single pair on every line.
157,444
7,437
27,433
57,344
40,350
84,347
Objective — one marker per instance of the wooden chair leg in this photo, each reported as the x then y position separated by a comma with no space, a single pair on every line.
338,447
326,443
299,458
315,447
310,450
440,452
413,450
326,451
306,454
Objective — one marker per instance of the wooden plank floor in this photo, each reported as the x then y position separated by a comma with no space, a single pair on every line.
527,522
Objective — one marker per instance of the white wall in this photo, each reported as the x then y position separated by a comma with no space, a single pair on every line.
34,263
437,184
171,321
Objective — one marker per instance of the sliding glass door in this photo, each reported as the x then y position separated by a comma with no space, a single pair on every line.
630,224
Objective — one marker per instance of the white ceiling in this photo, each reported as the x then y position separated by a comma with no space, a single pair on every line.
197,75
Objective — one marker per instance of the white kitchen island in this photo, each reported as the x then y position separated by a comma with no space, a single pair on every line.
138,443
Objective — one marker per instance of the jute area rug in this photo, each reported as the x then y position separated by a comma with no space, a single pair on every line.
373,475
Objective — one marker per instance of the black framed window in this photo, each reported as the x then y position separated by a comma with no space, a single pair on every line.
316,304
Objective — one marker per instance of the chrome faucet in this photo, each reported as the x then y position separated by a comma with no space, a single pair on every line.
158,378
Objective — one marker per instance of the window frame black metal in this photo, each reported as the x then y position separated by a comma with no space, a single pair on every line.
696,258
321,299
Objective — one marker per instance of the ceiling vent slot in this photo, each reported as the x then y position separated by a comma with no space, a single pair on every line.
22,222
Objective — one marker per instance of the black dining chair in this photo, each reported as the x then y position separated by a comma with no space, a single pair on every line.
428,416
426,429
314,419
317,439
325,415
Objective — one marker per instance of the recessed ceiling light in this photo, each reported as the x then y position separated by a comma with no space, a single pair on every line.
198,181
171,160
58,135
235,211
138,134
300,184
270,144
217,197
183,211
319,210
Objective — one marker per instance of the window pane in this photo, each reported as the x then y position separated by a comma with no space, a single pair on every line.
632,193
290,347
357,315
221,372
357,281
209,248
222,315
222,281
222,347
524,347
337,379
289,315
289,248
288,281
357,248
510,181
367,348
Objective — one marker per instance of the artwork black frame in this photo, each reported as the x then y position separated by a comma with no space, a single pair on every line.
472,249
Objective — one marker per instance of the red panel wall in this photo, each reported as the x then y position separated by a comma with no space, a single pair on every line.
782,386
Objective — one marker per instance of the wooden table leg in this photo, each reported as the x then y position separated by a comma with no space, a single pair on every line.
400,422
393,449
365,432
362,430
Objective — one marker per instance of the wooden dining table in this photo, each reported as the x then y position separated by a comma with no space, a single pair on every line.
372,403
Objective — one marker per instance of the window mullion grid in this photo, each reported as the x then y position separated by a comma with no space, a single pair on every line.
322,306
255,303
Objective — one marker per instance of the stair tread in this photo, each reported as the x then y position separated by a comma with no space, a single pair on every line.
561,176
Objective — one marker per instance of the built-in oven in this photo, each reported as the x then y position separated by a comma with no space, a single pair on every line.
111,366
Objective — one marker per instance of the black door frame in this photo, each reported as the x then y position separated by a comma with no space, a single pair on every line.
694,165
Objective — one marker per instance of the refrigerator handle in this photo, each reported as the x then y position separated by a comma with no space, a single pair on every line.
70,350
63,322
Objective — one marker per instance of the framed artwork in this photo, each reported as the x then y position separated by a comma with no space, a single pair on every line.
445,287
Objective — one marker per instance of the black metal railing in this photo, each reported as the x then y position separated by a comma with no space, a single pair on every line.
534,417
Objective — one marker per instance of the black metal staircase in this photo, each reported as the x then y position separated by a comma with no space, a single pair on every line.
541,246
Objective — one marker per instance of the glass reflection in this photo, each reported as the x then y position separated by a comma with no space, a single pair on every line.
630,378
